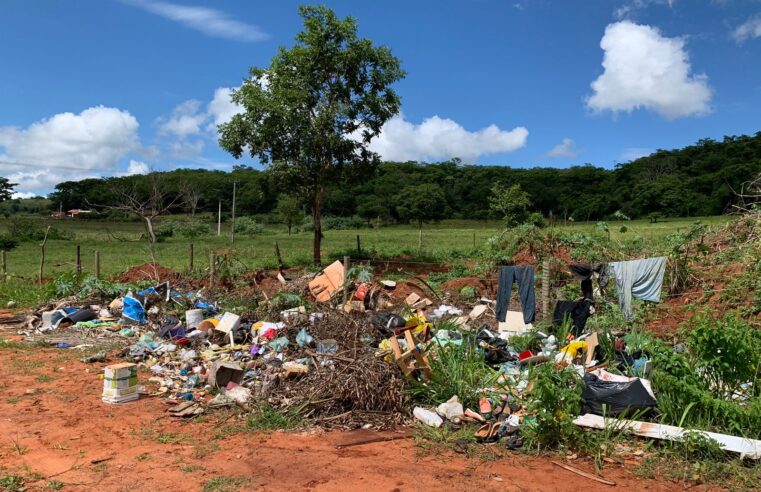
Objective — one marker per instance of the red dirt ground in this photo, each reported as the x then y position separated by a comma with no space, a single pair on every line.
150,271
485,287
53,423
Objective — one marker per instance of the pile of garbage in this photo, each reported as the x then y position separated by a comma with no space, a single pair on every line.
345,360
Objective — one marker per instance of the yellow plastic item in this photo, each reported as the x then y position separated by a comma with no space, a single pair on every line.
572,349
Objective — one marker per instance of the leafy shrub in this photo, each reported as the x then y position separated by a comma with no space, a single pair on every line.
555,402
7,242
192,229
164,229
23,230
537,220
726,351
247,226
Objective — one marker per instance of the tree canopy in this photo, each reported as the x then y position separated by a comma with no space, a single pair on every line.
310,115
693,181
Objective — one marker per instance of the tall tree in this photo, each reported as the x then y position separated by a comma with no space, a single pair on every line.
6,189
422,203
288,211
511,202
311,115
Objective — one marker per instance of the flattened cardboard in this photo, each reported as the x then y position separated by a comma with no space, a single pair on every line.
328,283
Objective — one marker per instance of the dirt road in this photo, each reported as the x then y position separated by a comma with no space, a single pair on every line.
54,432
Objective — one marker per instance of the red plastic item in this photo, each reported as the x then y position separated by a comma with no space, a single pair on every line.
525,355
362,291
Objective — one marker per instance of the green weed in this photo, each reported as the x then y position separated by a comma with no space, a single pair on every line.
143,457
265,418
173,438
456,370
12,483
224,484
54,485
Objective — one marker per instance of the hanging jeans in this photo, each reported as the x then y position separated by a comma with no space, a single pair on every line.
639,279
524,277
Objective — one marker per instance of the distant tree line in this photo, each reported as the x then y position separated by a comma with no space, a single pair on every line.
693,181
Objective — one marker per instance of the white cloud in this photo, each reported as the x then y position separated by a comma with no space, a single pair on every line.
442,138
24,194
643,69
629,8
749,29
185,120
566,148
221,108
66,146
633,153
211,22
136,167
188,119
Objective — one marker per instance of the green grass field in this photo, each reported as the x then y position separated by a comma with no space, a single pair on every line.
441,241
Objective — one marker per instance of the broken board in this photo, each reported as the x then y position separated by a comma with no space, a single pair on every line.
748,448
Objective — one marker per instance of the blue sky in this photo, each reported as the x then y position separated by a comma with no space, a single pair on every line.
109,87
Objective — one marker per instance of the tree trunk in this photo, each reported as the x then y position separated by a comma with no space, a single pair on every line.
149,229
317,242
289,229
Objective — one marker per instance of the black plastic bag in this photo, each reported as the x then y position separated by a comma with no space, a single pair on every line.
617,398
387,322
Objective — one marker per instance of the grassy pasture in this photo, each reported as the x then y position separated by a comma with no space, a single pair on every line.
441,241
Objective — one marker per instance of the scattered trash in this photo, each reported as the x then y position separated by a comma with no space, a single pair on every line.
427,417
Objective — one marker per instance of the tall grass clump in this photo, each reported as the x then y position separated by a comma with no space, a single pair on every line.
457,369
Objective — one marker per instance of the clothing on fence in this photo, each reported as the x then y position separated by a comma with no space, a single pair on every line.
639,279
524,277
577,311
586,273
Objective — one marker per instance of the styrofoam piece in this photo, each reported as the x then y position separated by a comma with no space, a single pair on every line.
228,323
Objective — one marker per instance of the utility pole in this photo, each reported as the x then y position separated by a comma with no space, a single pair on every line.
219,219
232,229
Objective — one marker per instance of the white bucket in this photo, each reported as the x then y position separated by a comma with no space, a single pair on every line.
193,318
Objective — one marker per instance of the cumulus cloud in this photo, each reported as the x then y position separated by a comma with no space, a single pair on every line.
643,69
185,120
190,124
221,108
135,167
442,138
750,29
211,22
66,146
566,148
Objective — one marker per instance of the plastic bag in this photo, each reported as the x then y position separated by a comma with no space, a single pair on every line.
615,397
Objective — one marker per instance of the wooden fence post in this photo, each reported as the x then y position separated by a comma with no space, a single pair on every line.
79,261
97,264
5,268
212,267
359,247
546,289
191,257
42,254
347,264
277,253
420,241
474,239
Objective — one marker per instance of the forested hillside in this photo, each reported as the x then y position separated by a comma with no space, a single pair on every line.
696,180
